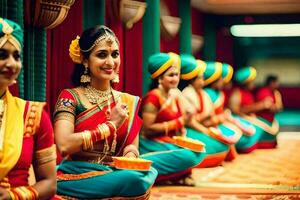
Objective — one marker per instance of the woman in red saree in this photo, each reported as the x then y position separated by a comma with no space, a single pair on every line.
270,91
94,122
26,134
164,116
242,103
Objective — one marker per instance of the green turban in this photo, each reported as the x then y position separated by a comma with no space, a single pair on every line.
245,75
12,32
213,72
159,63
227,72
189,69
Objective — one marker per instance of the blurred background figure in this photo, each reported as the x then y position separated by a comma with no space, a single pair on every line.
270,93
164,116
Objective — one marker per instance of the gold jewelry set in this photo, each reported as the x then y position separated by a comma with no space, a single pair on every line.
97,96
104,130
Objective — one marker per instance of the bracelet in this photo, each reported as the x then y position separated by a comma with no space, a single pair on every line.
23,193
103,130
87,142
112,127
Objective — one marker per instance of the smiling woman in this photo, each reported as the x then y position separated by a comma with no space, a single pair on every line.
94,123
26,134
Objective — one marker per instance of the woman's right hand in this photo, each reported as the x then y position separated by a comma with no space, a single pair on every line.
119,114
267,103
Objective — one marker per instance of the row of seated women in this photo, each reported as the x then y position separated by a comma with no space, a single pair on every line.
94,123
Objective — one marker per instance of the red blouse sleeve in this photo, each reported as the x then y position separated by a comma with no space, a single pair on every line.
66,103
262,94
151,98
44,137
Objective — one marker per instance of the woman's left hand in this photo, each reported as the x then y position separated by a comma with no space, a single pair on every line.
130,155
4,195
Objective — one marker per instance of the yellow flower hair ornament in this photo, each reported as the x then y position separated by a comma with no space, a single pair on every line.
74,51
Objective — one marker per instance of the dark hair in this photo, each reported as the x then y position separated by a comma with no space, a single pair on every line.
270,79
153,84
86,43
184,83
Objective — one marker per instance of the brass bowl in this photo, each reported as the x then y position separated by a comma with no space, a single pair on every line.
189,143
132,163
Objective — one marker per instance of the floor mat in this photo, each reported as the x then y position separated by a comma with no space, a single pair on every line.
194,193
262,174
277,169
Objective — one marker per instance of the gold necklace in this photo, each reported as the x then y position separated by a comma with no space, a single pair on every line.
97,96
2,107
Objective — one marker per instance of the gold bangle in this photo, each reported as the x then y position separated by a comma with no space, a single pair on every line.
113,125
87,142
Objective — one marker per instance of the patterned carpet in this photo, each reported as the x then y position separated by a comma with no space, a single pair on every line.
262,174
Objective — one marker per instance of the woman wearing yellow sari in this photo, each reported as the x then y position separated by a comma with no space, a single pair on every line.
26,134
164,117
94,122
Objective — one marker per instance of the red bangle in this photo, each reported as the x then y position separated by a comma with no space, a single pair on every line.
112,127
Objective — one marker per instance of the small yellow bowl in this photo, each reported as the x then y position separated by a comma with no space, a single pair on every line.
132,163
189,143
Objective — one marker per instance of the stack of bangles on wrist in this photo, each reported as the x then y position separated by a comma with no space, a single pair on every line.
174,124
131,149
23,193
102,131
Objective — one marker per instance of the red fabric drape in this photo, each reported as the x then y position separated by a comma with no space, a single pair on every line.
290,97
59,64
224,46
131,48
133,59
197,27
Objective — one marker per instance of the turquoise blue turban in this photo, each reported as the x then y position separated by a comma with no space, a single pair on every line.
227,72
245,75
213,72
159,63
189,67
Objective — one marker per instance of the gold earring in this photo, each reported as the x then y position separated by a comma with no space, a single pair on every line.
85,78
13,82
116,79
